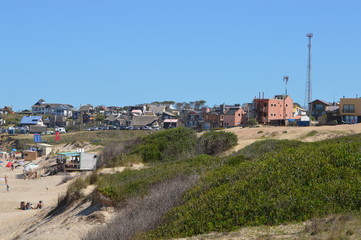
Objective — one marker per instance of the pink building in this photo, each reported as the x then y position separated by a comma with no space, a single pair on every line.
275,111
234,116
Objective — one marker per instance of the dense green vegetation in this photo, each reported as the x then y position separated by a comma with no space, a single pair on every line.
269,182
215,142
173,144
177,147
291,183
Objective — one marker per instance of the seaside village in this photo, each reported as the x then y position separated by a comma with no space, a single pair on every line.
42,158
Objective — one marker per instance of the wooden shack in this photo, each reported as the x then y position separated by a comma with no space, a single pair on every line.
30,155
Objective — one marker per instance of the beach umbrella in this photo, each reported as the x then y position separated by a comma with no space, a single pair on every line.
1,162
14,149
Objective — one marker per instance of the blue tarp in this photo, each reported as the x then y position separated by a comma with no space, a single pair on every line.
37,138
303,123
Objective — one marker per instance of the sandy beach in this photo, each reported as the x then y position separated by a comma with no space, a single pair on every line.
14,221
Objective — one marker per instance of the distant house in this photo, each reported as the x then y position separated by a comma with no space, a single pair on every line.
88,108
32,120
57,121
141,108
170,123
157,109
318,108
103,110
274,111
6,110
115,109
136,112
142,121
350,110
298,112
40,107
234,116
213,120
116,120
195,120
168,115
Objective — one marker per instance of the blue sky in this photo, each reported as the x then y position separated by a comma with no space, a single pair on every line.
128,52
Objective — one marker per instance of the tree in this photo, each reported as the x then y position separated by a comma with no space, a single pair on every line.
251,122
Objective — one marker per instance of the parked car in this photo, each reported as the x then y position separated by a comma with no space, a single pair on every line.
60,129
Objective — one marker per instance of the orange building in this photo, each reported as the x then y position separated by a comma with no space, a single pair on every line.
275,111
234,116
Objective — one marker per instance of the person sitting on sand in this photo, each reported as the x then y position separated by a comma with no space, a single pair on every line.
22,205
28,206
40,205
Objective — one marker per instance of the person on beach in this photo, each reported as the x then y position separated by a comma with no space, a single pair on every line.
40,205
22,205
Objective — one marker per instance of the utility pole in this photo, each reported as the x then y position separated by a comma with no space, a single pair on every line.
308,93
285,79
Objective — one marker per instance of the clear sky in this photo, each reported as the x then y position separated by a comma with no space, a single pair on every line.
129,52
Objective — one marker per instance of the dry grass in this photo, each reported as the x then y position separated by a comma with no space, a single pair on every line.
143,214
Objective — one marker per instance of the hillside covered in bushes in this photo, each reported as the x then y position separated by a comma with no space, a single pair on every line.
269,182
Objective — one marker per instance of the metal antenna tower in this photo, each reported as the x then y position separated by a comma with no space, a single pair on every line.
308,92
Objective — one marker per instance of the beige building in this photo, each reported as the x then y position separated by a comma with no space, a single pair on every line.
350,110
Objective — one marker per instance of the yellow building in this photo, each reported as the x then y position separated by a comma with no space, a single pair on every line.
350,110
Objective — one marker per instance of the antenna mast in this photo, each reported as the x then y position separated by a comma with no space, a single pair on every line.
308,93
285,79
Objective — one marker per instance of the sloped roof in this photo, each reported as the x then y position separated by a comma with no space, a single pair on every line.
51,105
232,111
114,117
156,108
30,120
86,108
169,114
324,102
144,120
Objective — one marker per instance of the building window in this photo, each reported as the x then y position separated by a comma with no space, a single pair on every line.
318,107
348,108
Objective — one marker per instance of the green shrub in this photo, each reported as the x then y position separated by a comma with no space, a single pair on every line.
215,142
251,122
296,182
168,145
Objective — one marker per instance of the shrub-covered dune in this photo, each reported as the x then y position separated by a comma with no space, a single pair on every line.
267,183
292,183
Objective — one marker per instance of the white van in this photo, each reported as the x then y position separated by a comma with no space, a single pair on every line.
60,129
